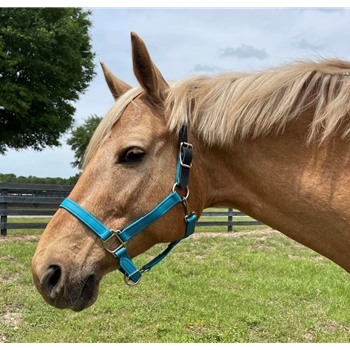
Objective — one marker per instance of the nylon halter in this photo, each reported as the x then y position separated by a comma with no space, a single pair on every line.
131,273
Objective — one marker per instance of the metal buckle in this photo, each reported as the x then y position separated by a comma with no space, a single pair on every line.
188,145
116,234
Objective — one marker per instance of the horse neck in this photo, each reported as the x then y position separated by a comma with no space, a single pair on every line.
253,175
302,191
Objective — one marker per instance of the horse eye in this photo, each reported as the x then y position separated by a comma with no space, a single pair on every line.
131,155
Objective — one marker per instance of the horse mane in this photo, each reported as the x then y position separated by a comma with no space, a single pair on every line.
232,106
229,106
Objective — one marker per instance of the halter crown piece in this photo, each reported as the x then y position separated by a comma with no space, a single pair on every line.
131,273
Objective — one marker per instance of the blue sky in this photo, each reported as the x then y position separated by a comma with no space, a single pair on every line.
188,41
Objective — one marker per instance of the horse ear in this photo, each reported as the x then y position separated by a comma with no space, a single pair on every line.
146,72
116,86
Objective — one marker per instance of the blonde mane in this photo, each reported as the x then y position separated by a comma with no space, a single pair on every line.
228,106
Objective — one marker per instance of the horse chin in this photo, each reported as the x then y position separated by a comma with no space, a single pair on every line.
88,295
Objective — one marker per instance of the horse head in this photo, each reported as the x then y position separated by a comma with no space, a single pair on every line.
131,167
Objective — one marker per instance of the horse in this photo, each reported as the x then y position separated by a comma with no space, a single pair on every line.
273,144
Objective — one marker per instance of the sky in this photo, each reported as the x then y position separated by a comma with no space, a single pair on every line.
188,40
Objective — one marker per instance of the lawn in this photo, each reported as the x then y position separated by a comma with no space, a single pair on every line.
250,286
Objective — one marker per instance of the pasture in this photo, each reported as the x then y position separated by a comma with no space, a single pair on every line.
247,286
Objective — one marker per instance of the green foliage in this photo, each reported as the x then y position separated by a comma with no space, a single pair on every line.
80,138
12,178
45,63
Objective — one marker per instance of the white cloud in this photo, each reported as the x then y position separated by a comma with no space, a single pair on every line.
244,52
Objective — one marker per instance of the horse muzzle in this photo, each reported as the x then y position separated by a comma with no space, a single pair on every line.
64,292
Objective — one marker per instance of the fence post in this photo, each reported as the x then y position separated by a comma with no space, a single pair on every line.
230,221
3,219
36,194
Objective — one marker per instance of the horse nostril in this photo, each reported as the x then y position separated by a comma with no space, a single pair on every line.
50,280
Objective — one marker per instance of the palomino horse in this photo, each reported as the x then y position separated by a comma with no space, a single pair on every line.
273,144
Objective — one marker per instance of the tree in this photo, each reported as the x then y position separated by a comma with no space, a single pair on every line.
45,63
80,138
39,180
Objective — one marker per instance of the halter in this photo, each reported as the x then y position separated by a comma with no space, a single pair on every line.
131,273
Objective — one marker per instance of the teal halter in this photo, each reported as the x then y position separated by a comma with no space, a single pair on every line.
131,273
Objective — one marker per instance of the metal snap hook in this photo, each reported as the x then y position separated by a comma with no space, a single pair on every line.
187,208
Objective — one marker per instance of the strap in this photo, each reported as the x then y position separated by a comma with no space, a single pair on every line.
184,163
183,134
160,257
85,217
152,216
131,230
190,226
127,267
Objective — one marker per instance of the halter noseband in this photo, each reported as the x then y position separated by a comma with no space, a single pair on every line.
131,273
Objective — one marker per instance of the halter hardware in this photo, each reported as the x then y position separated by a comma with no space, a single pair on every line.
114,233
182,154
131,273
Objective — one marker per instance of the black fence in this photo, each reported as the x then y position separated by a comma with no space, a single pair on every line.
231,218
29,200
36,200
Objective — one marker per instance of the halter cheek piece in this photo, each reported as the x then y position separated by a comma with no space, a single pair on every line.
131,273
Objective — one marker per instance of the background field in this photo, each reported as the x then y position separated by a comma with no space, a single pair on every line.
248,286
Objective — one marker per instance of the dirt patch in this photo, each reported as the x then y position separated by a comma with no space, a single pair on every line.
11,316
8,277
12,319
8,258
262,232
14,238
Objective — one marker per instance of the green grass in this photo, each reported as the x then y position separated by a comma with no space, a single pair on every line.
246,288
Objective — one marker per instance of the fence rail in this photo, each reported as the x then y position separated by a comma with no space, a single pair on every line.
35,200
29,200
